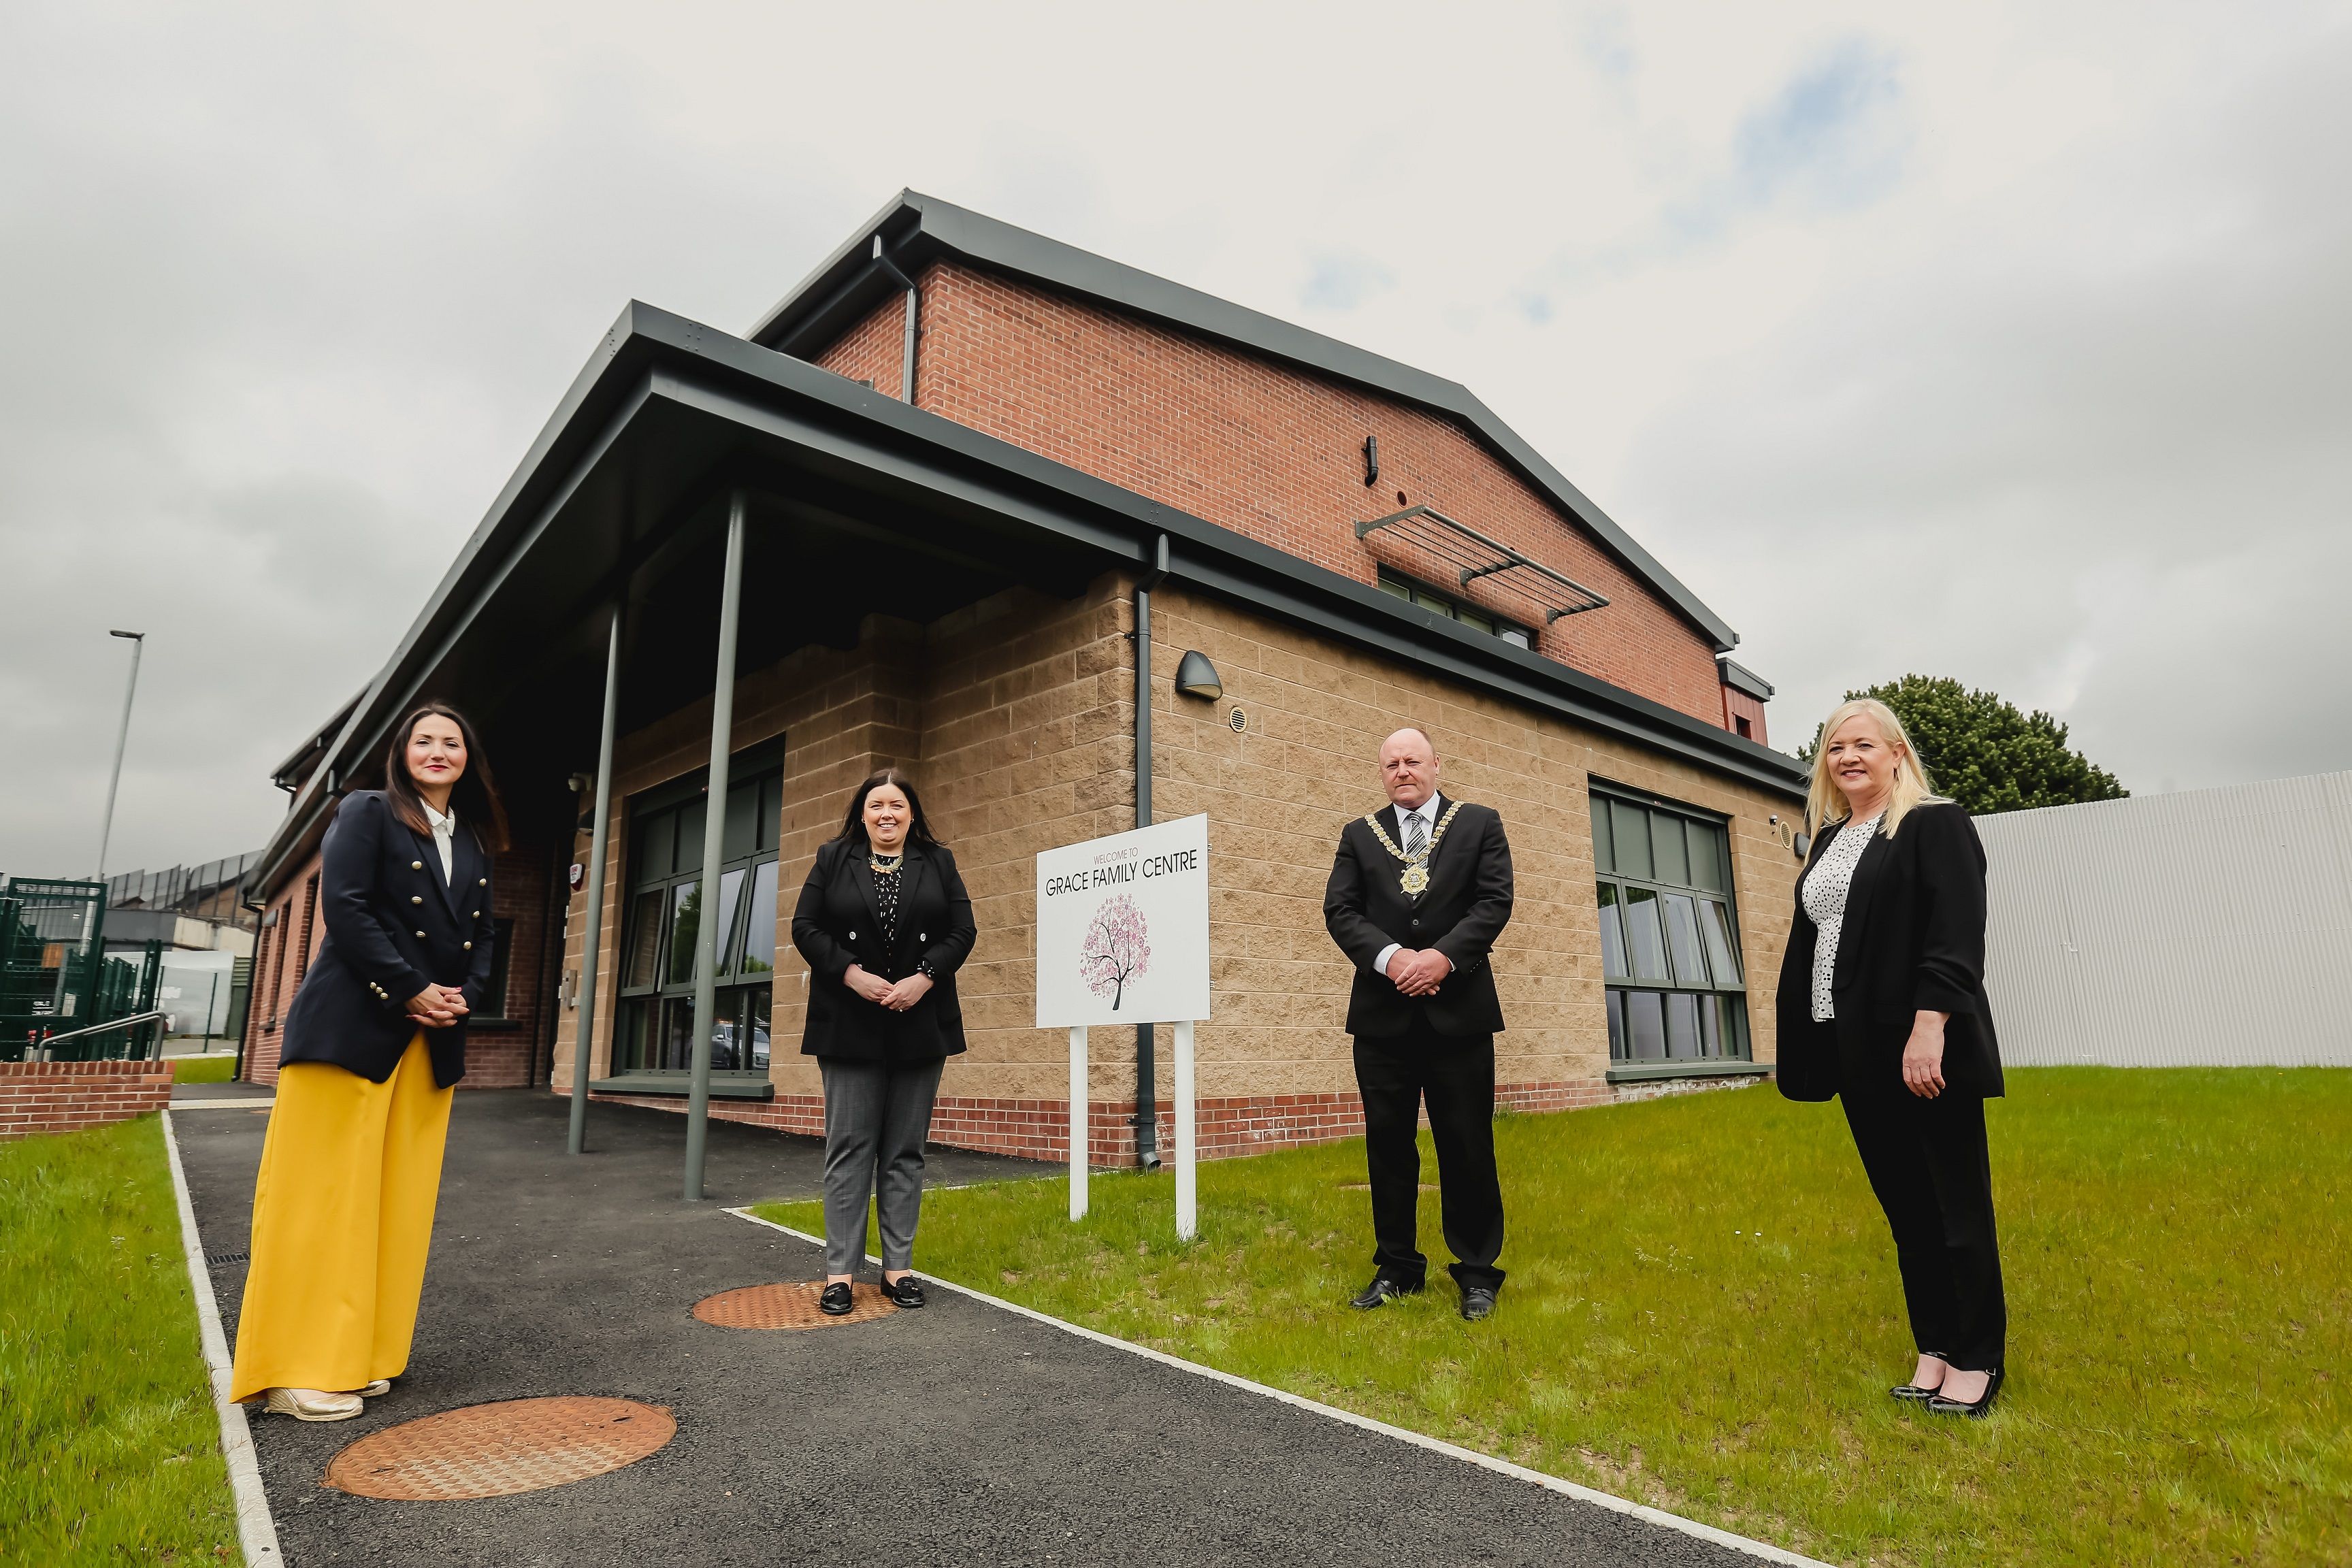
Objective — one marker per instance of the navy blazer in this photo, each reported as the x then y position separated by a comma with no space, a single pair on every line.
394,927
1465,908
1913,941
837,922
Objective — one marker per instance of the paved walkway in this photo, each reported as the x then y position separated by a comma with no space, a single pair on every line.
961,1433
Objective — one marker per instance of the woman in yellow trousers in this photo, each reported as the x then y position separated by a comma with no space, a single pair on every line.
342,1209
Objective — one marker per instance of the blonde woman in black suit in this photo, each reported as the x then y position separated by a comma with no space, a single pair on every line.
1882,1006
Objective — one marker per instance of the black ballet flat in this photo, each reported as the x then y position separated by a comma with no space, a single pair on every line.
1916,1393
1977,1411
836,1300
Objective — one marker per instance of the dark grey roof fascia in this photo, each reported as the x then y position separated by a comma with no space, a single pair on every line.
650,352
321,736
916,224
1739,678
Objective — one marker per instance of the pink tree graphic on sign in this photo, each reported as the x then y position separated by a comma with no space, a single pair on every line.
1118,948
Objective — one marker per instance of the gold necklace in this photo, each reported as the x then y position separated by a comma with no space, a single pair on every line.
882,864
1414,880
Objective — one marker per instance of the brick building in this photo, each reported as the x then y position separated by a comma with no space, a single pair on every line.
961,456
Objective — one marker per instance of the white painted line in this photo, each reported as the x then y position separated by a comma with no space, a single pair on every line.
223,1104
1659,1517
256,1532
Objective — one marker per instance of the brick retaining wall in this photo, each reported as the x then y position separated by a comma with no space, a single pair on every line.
65,1097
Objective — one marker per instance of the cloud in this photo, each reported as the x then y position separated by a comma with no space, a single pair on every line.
2012,335
1342,282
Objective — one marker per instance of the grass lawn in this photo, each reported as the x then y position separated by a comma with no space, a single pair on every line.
109,1451
1703,1314
203,1070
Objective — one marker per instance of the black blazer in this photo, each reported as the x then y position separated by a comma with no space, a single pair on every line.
394,927
1463,910
1913,941
837,924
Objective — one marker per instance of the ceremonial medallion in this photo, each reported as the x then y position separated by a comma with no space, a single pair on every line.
1413,880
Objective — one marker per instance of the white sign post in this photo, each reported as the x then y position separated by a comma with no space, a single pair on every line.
1123,938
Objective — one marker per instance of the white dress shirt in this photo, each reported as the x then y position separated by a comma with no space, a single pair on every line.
443,826
1427,812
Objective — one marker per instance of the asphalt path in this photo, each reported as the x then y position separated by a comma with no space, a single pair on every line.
960,1433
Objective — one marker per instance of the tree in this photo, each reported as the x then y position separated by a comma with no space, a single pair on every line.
1118,948
1982,753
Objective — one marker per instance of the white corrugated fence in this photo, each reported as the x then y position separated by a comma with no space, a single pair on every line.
2209,928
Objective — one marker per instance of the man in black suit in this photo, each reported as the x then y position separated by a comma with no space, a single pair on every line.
1418,892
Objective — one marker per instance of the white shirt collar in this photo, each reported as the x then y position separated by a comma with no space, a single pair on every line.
1426,810
441,823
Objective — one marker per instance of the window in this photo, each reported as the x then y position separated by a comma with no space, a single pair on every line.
654,1031
1469,614
310,921
1669,937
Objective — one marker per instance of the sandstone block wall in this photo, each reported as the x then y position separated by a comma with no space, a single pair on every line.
1015,718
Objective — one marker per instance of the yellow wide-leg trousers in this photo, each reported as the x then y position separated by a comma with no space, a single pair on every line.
342,1217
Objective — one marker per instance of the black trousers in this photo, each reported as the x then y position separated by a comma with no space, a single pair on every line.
1926,1162
1456,1076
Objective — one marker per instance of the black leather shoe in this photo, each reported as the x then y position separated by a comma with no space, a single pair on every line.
1913,1393
1380,1292
1976,1411
1477,1303
836,1300
904,1292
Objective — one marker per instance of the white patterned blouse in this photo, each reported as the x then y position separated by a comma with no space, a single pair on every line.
1826,886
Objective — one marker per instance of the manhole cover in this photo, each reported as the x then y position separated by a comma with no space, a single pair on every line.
497,1450
786,1307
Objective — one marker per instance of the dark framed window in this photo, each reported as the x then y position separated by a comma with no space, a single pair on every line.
1669,932
668,900
1455,608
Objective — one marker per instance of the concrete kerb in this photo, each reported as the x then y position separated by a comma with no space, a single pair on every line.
256,1529
1762,1550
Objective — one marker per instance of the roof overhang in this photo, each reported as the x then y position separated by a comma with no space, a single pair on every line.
916,230
669,413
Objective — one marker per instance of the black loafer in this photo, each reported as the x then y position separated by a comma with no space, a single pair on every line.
905,1292
1477,1303
1380,1292
1976,1410
836,1300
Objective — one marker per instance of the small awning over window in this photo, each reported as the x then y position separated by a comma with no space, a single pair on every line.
1464,555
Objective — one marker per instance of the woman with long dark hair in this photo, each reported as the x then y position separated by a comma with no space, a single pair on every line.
1882,1006
342,1209
884,923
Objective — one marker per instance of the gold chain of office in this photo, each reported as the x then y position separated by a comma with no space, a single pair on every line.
1414,879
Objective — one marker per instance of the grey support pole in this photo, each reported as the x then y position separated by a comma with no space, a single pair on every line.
138,641
583,1038
1147,1092
714,846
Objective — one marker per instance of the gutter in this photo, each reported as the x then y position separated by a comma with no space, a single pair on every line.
1146,1094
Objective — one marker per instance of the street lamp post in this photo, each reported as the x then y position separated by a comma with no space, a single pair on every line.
138,641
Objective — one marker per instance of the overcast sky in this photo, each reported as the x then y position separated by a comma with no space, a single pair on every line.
2007,342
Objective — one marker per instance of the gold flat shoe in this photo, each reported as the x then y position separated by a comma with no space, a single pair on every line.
312,1403
376,1390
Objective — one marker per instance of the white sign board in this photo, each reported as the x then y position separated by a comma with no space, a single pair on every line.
1123,928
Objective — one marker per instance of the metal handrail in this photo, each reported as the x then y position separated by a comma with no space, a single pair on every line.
135,1019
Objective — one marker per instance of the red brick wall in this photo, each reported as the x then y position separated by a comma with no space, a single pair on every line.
1739,705
1267,450
65,1097
496,1056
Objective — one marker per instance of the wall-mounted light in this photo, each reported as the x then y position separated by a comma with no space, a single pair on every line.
1196,677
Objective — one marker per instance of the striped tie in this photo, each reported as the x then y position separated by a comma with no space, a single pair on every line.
1416,835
